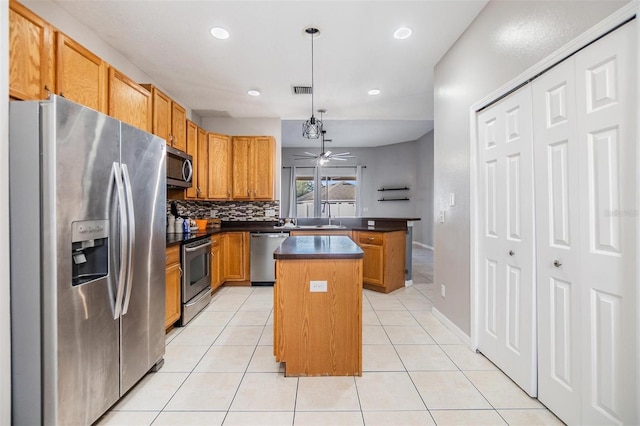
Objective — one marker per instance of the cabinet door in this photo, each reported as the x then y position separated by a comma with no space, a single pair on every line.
172,296
216,263
220,167
202,167
262,165
129,101
178,124
192,149
81,76
372,264
161,106
234,258
241,162
31,70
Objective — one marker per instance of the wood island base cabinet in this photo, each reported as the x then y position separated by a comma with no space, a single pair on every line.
318,333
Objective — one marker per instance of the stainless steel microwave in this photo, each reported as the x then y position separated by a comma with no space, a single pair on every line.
179,168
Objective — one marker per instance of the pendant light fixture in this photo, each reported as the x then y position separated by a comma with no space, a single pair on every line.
325,156
312,128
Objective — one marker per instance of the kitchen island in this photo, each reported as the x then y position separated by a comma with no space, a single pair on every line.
318,306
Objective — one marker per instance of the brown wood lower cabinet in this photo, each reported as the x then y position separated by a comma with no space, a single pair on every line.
173,276
236,256
384,259
217,277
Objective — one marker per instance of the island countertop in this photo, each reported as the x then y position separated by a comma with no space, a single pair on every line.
318,247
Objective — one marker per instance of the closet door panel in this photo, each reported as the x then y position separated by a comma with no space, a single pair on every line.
557,220
507,290
606,83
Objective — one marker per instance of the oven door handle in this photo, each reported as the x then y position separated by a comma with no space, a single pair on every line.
200,247
204,294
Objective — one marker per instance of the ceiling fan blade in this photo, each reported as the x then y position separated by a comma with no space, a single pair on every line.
343,153
326,154
328,140
338,158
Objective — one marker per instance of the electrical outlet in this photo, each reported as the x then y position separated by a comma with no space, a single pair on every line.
212,213
442,290
318,286
270,213
371,223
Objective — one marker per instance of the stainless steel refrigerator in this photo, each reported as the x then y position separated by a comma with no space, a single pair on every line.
87,205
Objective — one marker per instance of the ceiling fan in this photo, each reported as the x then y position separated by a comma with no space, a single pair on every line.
325,156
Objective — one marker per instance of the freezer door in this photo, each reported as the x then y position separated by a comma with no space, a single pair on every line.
80,252
143,336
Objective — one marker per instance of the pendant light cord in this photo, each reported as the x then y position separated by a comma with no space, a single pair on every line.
313,88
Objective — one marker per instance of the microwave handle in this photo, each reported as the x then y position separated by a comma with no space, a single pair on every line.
187,163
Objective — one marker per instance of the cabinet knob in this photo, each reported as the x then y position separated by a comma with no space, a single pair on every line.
511,252
248,192
46,87
557,263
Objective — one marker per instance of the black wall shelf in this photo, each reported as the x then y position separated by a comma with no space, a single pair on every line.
394,199
394,189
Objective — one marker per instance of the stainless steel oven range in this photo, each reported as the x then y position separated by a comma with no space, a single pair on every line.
196,278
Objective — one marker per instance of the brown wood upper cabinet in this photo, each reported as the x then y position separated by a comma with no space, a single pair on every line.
81,76
31,54
253,164
169,118
220,158
129,101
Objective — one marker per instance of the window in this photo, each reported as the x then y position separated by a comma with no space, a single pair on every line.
337,195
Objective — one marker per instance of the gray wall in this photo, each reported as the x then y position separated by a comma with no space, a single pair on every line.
504,40
403,164
424,194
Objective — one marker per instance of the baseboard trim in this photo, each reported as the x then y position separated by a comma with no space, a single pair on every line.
452,327
422,245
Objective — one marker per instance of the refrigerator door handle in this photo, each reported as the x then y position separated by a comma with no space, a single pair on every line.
124,238
132,237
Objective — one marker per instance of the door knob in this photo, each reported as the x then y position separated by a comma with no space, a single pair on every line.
511,252
557,264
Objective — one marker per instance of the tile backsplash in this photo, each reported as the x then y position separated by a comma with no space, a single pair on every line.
227,210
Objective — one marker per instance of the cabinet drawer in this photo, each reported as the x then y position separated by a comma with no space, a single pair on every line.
173,255
374,238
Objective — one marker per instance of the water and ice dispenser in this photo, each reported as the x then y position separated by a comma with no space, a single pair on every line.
89,250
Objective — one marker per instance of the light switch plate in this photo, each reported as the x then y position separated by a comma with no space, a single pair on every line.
441,219
318,286
452,199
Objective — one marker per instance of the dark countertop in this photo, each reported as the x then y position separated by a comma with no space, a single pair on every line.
350,224
318,247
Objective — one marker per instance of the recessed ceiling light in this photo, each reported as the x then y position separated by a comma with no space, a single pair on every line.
374,92
220,33
253,92
402,33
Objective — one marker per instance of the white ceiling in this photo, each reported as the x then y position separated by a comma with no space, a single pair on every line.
268,51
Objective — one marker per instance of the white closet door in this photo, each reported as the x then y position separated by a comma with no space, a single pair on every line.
558,236
606,98
585,151
506,286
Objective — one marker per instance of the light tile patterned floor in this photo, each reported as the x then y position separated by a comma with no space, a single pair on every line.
220,370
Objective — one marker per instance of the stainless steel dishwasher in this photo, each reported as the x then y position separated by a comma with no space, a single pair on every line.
262,263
